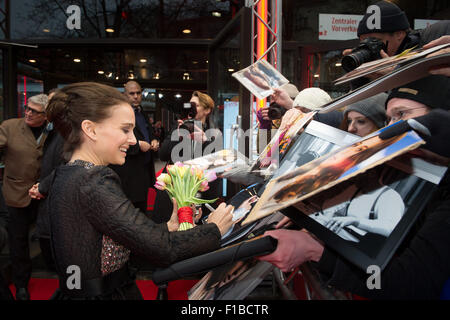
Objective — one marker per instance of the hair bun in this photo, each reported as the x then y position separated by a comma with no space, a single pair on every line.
58,111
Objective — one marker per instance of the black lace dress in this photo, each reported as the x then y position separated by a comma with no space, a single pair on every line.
94,227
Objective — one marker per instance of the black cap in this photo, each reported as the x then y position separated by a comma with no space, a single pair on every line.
392,19
432,91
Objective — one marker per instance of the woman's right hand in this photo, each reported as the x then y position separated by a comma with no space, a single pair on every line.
222,217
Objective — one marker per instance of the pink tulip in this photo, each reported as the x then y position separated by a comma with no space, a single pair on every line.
211,176
160,185
204,186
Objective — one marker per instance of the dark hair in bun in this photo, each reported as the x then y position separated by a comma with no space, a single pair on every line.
77,102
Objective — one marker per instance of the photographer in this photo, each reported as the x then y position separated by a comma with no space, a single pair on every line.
192,128
196,122
391,38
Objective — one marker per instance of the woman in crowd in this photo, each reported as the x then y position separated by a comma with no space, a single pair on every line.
190,138
197,126
93,225
366,116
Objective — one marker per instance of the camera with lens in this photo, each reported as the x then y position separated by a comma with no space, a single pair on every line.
188,114
275,111
367,50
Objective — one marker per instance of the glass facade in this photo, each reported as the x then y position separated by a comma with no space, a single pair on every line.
154,19
171,47
26,88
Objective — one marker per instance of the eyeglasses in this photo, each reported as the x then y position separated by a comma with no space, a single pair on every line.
33,112
399,114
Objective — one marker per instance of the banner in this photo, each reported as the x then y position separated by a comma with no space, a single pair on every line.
338,26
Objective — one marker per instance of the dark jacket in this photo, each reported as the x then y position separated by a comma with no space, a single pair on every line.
136,174
94,226
168,145
52,158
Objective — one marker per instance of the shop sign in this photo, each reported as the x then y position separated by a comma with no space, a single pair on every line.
423,23
338,26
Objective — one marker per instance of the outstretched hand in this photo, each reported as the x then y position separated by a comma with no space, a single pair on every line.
293,249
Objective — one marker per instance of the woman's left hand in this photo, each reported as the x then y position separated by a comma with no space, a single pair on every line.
173,223
337,223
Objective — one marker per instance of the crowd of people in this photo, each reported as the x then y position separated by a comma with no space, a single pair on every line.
81,161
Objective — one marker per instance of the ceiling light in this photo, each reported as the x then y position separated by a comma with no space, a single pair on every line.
338,64
216,14
32,61
316,76
100,72
160,95
143,60
231,70
76,60
46,30
186,31
178,96
186,76
110,30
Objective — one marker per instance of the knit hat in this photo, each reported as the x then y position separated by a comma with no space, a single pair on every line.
372,108
432,91
312,98
392,19
291,90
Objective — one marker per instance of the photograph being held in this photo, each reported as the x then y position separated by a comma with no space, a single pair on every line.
363,211
93,224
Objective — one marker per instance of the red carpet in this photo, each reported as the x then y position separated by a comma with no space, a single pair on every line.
42,289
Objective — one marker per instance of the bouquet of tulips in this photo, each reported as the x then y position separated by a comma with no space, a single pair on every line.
183,182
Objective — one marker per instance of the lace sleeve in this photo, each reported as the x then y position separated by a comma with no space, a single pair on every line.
112,214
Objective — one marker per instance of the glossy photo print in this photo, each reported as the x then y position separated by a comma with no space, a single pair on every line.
275,150
260,79
365,218
329,170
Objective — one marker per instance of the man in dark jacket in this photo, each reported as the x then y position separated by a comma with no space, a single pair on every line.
138,172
